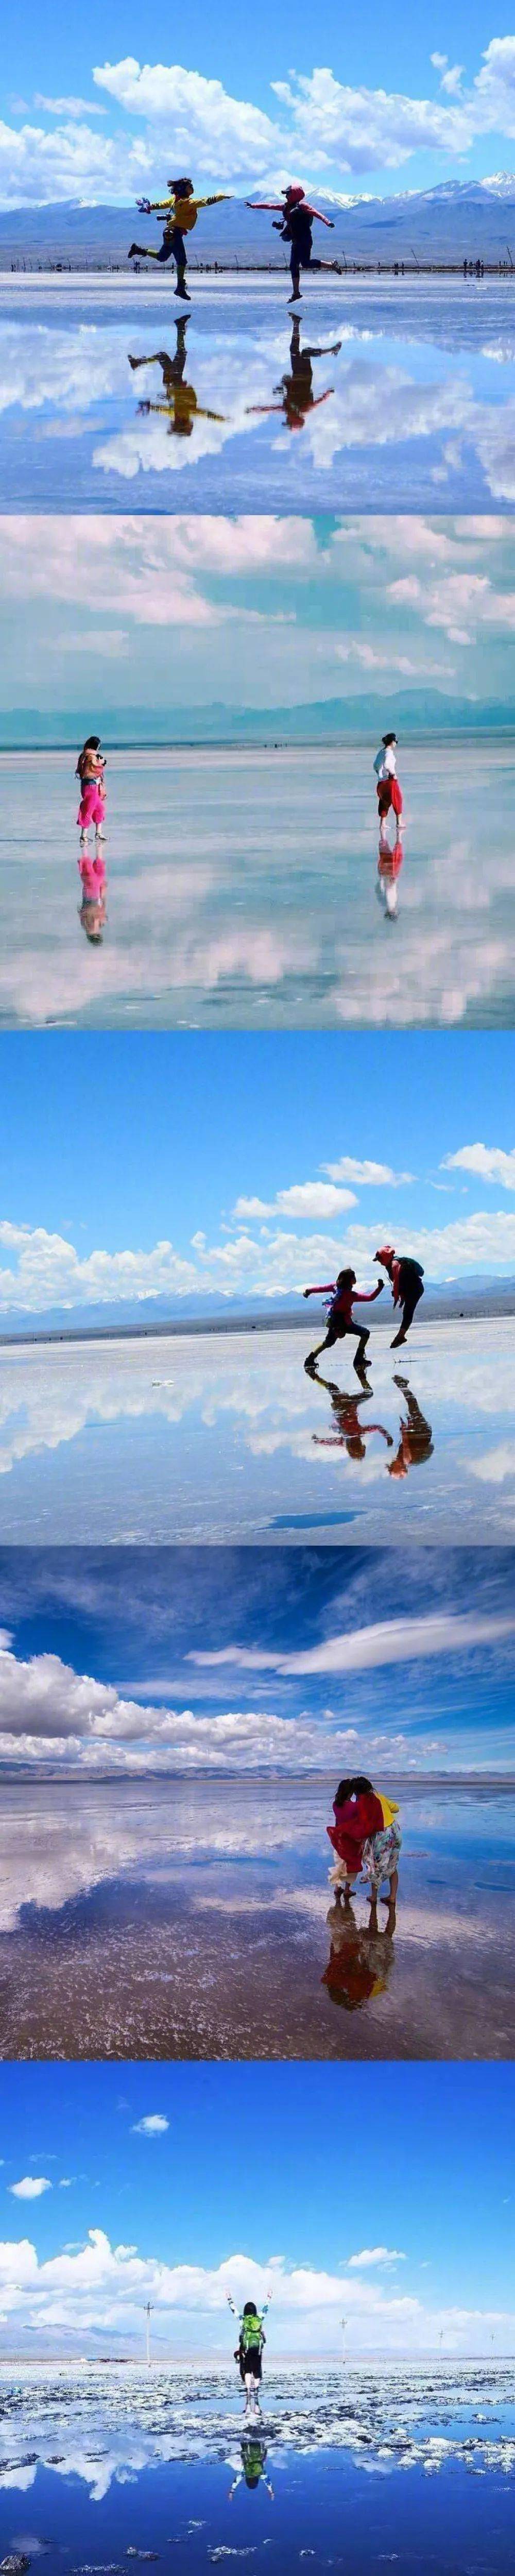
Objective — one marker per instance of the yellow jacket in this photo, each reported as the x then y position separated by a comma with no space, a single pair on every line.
184,210
389,1807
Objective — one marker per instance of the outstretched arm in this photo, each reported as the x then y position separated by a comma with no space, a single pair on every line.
323,1291
267,206
365,1296
323,219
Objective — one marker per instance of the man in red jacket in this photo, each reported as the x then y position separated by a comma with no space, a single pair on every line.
406,1277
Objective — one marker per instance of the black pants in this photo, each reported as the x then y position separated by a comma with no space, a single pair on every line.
337,1333
409,1301
250,2363
173,246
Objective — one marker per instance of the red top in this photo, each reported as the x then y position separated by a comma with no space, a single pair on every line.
345,1298
353,1823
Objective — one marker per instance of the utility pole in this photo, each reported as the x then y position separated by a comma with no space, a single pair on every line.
344,2322
147,2312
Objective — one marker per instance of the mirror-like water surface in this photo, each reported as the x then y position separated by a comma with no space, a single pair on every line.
220,1436
351,2465
173,1918
243,890
382,394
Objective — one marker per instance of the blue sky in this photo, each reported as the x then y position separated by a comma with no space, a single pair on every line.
414,2236
363,107
293,1660
179,1164
195,610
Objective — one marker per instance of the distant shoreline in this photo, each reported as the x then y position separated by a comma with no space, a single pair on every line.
439,735
413,1784
232,270
197,1326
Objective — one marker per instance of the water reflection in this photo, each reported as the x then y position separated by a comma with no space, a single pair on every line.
250,2465
361,1955
296,390
214,1435
179,404
172,1918
242,892
424,398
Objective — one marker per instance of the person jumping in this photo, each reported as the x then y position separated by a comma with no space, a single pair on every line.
181,209
296,227
296,389
406,1277
179,405
343,1294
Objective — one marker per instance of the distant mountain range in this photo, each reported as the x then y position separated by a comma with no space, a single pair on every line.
467,219
419,714
209,1311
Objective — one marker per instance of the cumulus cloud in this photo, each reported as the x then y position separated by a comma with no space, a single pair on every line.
153,2126
173,111
102,2287
487,1162
370,2256
45,1270
365,1174
309,1199
30,2187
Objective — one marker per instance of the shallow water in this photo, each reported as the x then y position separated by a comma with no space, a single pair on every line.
366,2465
276,917
223,1436
172,1919
417,408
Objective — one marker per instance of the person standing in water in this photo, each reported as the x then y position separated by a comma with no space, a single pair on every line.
181,209
389,794
251,2465
296,227
364,1834
91,772
406,1276
249,2349
344,1295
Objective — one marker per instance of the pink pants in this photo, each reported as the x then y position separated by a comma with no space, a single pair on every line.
92,876
92,804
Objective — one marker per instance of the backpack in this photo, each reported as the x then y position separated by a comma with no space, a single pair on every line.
251,2332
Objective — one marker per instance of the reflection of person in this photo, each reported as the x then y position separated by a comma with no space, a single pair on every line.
416,1441
389,866
343,1295
364,1817
352,1430
296,390
361,1958
92,909
91,772
180,406
249,2349
389,794
296,227
181,209
253,2464
406,1276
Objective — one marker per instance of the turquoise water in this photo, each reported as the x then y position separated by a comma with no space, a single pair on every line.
366,2466
417,385
221,1436
158,1918
243,891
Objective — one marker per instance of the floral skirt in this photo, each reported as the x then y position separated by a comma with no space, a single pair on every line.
381,1854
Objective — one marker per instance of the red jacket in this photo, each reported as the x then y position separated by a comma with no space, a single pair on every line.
353,1823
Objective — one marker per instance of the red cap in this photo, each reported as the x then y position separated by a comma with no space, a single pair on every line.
386,1252
295,195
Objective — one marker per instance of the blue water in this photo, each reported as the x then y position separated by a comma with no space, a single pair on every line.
275,917
418,407
366,2467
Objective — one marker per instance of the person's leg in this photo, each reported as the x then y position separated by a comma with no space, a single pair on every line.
321,1346
408,1309
295,277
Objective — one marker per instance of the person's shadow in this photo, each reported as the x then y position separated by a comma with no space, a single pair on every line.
351,1430
179,405
416,1442
361,1956
296,388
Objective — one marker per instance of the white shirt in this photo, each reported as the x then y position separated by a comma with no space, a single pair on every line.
384,763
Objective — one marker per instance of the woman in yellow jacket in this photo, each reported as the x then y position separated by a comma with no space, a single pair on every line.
181,209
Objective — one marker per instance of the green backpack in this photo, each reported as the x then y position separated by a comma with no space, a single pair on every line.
251,2332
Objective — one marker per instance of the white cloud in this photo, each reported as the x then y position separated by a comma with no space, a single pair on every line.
45,1270
211,129
30,2187
487,1162
69,107
365,1174
105,2287
371,2256
152,2127
310,1199
365,1649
